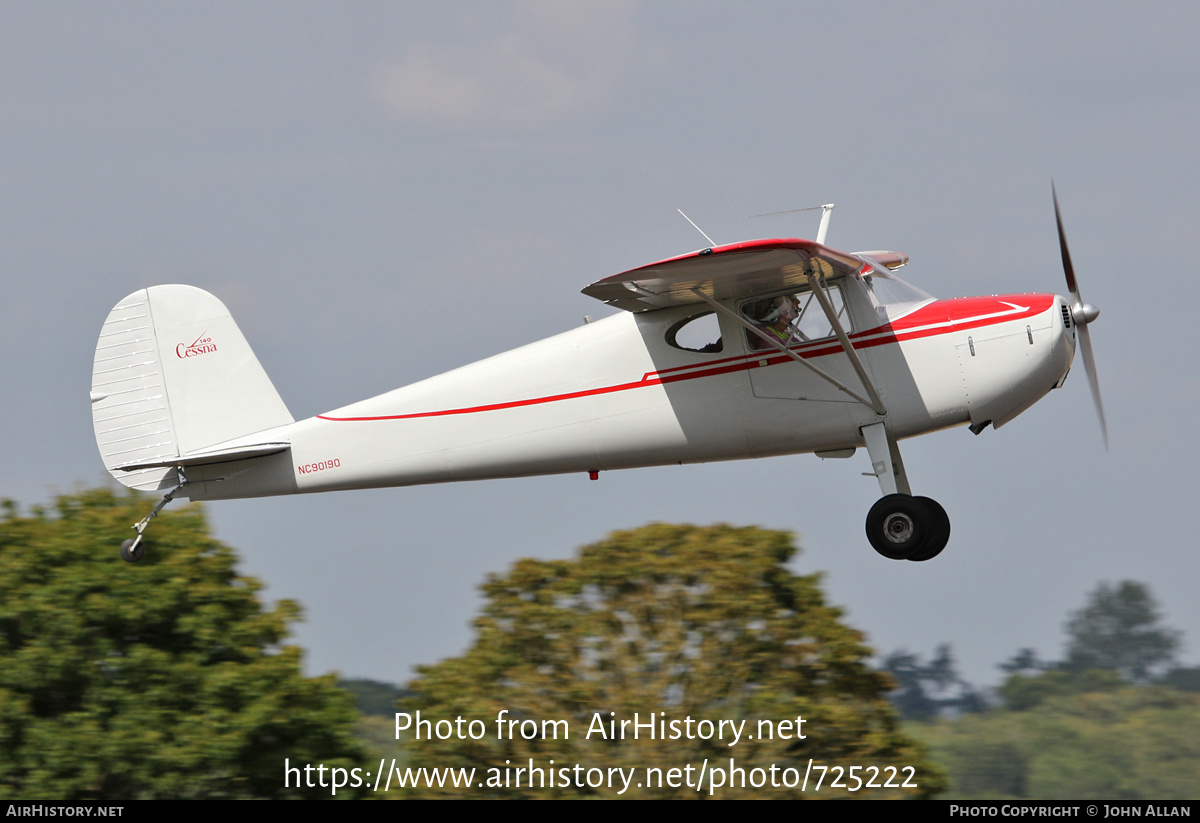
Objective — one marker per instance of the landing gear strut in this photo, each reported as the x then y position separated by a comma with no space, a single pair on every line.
132,549
900,526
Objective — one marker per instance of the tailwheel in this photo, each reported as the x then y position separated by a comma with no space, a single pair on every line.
132,550
939,536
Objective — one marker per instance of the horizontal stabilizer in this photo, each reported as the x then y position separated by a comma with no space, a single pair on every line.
205,458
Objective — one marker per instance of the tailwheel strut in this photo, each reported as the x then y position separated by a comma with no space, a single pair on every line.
132,549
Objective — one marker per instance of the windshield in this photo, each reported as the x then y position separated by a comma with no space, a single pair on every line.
891,296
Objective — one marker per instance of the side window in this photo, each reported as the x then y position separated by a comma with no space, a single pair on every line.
794,318
698,333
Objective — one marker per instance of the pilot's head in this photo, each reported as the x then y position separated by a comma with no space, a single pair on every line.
784,308
787,308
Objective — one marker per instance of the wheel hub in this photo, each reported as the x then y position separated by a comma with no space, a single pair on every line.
898,527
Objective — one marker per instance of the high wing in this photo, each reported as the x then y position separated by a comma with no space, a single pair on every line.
745,270
735,271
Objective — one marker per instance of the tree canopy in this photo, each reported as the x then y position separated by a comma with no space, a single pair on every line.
669,622
1089,726
168,679
1115,639
1119,629
1127,742
928,690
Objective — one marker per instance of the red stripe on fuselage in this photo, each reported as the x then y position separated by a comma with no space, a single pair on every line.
939,317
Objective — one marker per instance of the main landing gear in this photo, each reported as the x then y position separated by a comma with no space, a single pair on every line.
900,526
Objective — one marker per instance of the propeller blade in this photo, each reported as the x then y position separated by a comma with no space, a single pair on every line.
1068,269
1089,362
1083,315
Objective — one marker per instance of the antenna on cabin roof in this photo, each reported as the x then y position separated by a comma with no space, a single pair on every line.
822,229
697,228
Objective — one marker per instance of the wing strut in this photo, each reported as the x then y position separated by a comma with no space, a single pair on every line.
877,406
811,268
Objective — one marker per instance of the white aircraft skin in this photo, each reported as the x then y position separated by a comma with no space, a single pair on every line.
181,404
596,399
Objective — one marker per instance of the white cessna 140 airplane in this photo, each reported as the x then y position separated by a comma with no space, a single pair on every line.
767,347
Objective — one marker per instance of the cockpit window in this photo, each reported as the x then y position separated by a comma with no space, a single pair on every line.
698,333
794,318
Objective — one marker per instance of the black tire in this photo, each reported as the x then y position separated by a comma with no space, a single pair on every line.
131,553
898,526
939,536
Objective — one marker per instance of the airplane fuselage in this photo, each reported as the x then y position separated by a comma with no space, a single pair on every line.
616,394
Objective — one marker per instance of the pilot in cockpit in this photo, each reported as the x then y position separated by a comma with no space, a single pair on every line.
776,317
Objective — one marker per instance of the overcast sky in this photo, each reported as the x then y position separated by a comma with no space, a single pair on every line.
346,177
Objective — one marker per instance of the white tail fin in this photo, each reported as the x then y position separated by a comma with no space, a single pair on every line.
173,375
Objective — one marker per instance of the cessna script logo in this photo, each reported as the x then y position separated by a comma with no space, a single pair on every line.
202,345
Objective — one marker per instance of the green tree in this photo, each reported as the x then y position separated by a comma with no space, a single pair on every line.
1021,692
1023,662
373,697
1184,678
671,622
163,680
1132,742
1119,629
928,690
1116,638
